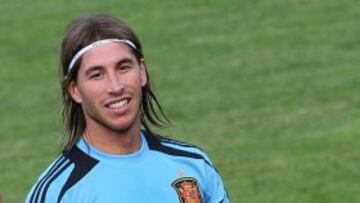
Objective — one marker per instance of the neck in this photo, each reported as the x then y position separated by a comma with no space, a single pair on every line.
114,142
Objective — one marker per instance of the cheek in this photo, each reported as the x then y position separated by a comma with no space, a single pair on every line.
134,80
90,92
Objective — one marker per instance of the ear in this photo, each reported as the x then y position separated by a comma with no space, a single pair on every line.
143,72
74,93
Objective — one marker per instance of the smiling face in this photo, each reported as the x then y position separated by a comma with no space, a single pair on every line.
108,87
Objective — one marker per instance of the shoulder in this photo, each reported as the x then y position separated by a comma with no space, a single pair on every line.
173,147
63,173
48,180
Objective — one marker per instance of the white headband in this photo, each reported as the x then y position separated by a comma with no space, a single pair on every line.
94,45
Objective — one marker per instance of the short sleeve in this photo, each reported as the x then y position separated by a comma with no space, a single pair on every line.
215,188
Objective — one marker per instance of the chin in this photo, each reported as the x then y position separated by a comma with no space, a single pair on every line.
125,126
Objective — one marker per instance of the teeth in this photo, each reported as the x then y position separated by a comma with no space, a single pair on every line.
118,104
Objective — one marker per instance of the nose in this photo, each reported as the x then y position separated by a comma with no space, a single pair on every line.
114,84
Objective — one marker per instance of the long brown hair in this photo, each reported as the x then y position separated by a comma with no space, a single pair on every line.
80,33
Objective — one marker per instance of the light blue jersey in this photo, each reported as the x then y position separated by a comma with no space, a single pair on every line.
163,170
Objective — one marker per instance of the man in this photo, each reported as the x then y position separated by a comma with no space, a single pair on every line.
108,157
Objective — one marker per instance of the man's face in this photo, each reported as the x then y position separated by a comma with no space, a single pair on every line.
108,87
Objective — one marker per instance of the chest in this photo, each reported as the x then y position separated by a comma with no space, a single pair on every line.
148,181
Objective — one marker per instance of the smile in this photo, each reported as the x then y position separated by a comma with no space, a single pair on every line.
118,104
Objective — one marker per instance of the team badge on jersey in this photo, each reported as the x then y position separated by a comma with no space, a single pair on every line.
187,189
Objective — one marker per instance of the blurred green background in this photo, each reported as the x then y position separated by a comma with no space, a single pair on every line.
269,88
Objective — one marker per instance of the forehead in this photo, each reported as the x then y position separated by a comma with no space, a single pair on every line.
106,55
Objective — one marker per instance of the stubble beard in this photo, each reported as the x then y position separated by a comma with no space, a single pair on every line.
95,117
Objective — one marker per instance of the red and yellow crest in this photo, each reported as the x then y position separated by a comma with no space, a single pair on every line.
187,189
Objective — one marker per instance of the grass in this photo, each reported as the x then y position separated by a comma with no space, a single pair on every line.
268,88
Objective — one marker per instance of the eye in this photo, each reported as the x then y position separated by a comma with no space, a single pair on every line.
95,75
124,67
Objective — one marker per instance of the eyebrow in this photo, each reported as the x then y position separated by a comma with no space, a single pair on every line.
119,63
